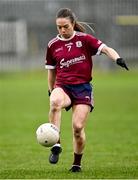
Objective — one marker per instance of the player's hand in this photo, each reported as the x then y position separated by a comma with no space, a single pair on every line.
49,93
121,63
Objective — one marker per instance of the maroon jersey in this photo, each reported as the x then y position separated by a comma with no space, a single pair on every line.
72,58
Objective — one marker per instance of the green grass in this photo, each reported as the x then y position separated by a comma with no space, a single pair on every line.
112,129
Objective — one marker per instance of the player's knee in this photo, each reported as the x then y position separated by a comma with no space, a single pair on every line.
55,104
78,126
77,130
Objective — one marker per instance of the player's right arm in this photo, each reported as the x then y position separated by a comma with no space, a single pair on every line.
50,65
51,79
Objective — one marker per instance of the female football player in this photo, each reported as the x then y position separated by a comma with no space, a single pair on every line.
69,64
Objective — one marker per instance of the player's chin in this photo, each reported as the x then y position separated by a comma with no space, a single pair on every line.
66,36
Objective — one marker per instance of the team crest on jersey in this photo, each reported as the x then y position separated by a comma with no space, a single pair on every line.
78,44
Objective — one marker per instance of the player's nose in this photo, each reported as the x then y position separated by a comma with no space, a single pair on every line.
63,30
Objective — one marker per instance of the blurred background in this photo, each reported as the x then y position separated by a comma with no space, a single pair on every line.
26,26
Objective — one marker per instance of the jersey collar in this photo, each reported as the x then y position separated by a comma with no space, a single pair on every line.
62,39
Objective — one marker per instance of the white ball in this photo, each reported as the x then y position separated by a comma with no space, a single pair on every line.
47,134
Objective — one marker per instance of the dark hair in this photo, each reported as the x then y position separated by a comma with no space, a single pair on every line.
67,13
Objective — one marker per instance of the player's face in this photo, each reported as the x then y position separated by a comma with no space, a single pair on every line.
65,27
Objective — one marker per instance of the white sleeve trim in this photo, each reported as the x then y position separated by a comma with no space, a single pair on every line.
100,48
49,67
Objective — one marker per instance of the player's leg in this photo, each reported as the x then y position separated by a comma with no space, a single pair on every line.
79,118
58,100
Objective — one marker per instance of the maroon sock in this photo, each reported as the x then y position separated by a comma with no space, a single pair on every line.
77,159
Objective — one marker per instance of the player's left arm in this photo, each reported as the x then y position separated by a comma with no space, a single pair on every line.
112,54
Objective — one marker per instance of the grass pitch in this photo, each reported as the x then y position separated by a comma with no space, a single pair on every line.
112,129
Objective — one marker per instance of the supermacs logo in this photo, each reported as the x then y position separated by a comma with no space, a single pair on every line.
70,62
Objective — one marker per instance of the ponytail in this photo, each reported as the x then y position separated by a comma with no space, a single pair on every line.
79,27
88,25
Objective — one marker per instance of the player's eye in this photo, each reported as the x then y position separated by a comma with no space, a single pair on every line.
59,27
66,26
